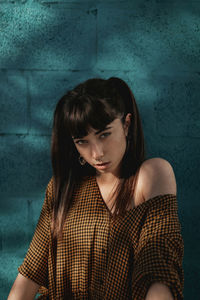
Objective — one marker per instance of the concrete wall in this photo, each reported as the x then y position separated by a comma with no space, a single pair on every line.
49,46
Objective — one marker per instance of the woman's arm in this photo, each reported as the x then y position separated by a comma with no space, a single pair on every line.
157,177
159,291
23,288
158,273
162,181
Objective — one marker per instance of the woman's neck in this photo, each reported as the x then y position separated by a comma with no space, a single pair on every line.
107,178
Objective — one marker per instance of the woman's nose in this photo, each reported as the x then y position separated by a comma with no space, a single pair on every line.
97,151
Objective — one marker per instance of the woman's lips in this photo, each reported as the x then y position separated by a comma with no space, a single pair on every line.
102,166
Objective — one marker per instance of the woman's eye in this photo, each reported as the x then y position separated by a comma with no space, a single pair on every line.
105,134
80,142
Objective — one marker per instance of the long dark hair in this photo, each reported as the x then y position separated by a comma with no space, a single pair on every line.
94,103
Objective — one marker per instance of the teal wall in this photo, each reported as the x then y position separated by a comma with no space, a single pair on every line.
49,46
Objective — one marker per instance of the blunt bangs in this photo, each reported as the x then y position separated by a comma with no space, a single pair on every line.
84,113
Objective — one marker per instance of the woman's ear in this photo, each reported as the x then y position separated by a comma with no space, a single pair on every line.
127,123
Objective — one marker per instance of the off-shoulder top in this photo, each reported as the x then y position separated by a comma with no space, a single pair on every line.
102,258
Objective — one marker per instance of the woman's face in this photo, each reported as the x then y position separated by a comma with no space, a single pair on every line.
105,149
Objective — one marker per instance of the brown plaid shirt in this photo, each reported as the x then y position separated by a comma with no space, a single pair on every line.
100,258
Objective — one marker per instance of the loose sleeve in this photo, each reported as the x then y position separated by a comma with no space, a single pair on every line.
160,249
35,264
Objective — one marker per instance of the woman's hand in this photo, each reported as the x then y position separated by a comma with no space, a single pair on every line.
159,291
23,288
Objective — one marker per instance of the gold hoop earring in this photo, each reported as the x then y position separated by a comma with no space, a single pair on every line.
82,161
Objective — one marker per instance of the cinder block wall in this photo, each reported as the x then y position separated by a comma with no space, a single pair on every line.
46,48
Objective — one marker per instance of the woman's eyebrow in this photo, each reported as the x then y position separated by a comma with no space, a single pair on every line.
97,132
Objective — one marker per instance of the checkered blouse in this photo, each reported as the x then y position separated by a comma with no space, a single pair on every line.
100,258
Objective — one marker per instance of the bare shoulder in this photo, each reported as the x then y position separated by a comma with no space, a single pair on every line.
156,177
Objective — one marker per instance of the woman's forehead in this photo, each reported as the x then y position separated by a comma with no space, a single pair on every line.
92,131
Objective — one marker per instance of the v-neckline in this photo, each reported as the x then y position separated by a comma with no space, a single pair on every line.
101,197
131,210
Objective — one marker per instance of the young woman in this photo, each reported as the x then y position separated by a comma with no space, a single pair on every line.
109,226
